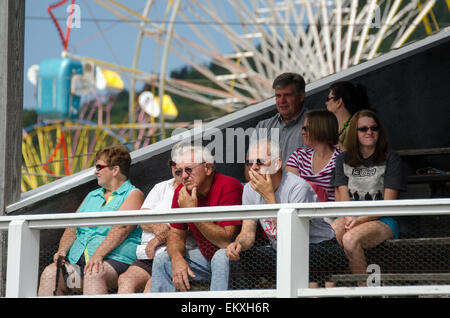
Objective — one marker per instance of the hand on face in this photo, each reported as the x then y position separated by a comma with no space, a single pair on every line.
262,183
262,166
193,173
186,199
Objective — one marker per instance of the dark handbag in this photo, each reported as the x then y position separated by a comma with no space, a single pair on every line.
59,267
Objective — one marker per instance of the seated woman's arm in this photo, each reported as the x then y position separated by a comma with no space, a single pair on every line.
291,170
389,194
341,193
118,233
69,236
65,243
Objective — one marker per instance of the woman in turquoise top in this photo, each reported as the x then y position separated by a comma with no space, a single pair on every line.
99,254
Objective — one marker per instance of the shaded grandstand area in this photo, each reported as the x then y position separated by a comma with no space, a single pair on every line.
407,87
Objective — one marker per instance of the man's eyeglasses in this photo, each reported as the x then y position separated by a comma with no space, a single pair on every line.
188,170
365,128
99,167
259,162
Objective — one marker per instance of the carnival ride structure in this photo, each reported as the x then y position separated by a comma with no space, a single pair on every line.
248,42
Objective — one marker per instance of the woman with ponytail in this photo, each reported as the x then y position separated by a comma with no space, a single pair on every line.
345,99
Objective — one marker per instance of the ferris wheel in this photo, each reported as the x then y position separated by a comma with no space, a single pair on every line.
236,48
250,42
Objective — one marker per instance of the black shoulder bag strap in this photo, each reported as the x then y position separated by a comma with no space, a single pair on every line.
59,266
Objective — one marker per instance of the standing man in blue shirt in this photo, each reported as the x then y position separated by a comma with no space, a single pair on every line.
288,122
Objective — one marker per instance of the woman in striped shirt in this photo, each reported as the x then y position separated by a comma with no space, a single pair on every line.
315,162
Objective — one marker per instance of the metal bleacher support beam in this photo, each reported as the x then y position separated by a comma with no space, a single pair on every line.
292,240
12,29
23,259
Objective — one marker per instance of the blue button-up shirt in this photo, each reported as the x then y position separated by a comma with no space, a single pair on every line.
290,134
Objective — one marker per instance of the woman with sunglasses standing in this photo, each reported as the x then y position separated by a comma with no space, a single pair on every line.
344,99
92,258
367,170
315,162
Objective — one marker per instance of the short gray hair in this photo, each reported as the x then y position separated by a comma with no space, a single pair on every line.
201,154
275,151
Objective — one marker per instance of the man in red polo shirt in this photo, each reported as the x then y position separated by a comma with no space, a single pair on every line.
201,186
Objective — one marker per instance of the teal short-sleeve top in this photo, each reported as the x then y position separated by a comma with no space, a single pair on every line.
89,238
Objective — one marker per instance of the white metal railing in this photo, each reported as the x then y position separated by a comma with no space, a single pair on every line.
293,242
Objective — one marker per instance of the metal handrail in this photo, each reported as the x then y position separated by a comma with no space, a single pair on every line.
293,238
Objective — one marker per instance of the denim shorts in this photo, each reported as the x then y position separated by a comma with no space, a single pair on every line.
393,224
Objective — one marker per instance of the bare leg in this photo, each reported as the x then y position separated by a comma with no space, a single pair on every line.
148,285
364,236
48,280
338,226
133,280
100,283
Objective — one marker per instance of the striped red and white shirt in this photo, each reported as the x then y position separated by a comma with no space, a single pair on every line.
302,159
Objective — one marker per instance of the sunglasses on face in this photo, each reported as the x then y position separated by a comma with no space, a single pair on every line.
259,162
330,98
305,128
365,128
99,167
188,170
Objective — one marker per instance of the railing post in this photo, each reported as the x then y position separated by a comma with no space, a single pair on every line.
292,253
23,260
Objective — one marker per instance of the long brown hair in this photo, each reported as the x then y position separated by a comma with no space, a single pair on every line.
354,158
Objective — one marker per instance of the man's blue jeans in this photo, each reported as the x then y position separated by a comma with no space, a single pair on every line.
217,270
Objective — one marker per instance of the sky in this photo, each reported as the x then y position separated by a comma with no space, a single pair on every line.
115,43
